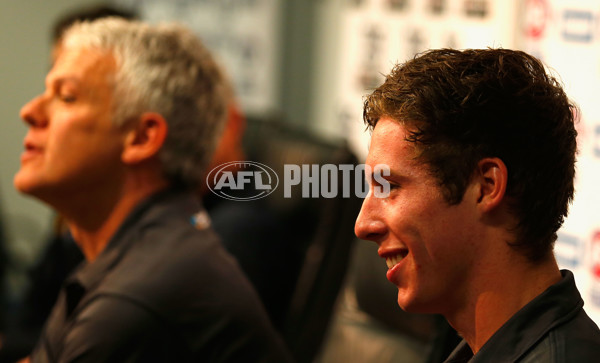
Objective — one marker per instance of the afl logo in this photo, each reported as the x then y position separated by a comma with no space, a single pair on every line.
242,180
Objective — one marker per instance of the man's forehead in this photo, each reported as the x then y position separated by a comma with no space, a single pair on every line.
390,135
389,145
80,63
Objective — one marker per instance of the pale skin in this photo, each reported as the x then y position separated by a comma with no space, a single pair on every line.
77,161
452,260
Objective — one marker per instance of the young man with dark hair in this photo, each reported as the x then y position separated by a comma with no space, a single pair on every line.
481,147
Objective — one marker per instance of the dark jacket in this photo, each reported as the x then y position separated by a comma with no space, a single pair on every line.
553,327
163,290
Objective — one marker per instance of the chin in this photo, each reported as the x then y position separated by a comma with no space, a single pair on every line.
22,183
411,304
407,307
28,184
405,303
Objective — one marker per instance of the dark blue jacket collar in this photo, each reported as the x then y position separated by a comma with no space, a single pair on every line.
558,304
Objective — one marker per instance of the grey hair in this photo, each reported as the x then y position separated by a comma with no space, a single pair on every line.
164,69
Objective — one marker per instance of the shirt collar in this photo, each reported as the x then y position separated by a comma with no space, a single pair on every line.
166,203
461,354
556,305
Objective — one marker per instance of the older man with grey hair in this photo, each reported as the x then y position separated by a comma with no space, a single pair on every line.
117,144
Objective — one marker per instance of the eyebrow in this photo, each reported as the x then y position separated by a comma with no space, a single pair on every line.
399,177
58,81
394,175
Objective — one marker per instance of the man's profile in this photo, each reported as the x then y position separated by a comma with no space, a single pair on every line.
118,144
481,145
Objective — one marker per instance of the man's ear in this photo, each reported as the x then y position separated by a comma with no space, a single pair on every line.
144,140
492,177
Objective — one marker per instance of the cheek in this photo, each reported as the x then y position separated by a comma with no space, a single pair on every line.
415,219
73,146
451,241
431,236
63,144
76,130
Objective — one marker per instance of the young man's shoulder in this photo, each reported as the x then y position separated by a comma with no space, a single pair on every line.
577,340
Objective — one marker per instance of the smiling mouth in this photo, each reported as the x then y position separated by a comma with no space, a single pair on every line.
395,259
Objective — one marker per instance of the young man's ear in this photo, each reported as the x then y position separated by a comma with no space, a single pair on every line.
492,175
144,140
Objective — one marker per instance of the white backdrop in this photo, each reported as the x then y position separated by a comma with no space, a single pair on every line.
565,35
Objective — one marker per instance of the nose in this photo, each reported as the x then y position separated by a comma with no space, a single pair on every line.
369,225
33,113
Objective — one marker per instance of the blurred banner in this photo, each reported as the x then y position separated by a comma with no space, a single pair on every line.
377,34
244,34
565,35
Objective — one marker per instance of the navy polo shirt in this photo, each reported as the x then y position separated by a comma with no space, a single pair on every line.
163,290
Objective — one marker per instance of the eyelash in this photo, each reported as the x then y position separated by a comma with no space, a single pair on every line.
67,98
392,185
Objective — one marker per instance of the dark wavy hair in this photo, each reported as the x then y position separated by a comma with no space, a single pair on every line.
467,105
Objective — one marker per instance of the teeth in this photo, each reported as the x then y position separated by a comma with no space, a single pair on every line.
393,260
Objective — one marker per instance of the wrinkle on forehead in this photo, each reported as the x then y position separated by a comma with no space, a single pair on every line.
79,63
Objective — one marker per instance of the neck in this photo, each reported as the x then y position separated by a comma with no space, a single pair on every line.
93,223
502,293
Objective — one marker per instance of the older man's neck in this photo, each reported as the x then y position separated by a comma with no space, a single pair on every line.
94,225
